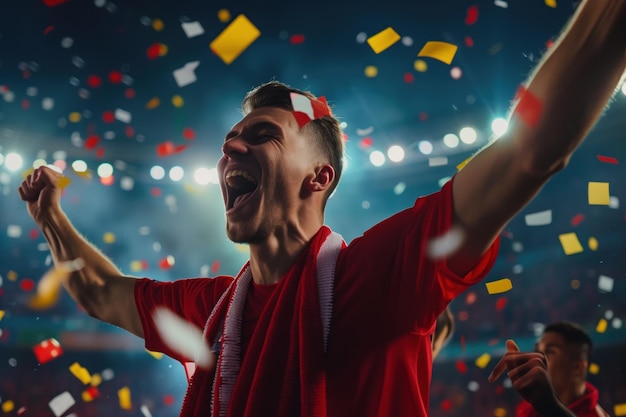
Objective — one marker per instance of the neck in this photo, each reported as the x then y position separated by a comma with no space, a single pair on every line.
271,259
572,393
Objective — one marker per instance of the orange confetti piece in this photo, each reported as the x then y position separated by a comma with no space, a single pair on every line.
90,394
594,369
441,51
158,25
570,243
8,406
383,40
551,3
499,286
619,410
602,326
223,15
235,39
153,103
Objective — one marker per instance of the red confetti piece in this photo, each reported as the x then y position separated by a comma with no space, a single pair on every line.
529,107
446,405
47,350
463,344
93,392
469,42
408,77
108,117
25,104
153,51
48,29
100,152
549,44
94,81
129,131
27,284
129,93
296,39
472,15
577,219
26,74
168,399
607,159
168,148
215,266
461,366
423,116
167,262
189,134
115,77
366,142
501,303
33,233
156,192
92,141
107,181
499,389
53,3
144,264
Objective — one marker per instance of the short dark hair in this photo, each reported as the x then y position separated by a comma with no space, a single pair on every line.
573,334
325,129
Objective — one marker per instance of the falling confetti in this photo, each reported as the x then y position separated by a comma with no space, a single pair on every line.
602,325
183,337
441,51
123,396
383,40
499,286
186,75
598,193
529,107
540,218
81,373
235,39
570,243
192,29
483,360
472,15
607,159
61,403
551,3
49,286
47,350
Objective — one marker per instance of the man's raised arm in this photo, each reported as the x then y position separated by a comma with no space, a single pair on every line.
99,287
552,113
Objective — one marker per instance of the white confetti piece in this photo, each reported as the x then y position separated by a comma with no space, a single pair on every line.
183,337
614,201
123,116
540,218
14,230
446,244
192,29
186,75
605,283
61,403
437,161
501,3
366,131
145,411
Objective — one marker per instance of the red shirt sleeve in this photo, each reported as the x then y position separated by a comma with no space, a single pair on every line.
192,299
387,272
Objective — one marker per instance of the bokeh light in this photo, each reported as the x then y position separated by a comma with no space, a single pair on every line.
377,158
468,135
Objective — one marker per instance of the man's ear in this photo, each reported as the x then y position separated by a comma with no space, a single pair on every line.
321,179
580,367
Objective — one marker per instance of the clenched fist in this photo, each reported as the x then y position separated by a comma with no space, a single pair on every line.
41,192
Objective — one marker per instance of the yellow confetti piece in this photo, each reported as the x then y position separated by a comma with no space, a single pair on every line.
81,373
592,243
483,360
441,51
619,409
156,355
570,243
123,395
74,117
177,101
1,314
223,15
594,369
235,39
163,49
87,397
598,193
499,286
601,326
551,3
158,25
96,380
420,65
383,40
12,276
575,284
371,71
499,412
136,266
462,164
153,103
86,175
108,237
8,406
64,182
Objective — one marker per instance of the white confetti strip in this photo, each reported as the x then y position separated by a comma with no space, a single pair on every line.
61,403
192,29
540,218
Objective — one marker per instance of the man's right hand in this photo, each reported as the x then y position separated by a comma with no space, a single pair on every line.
41,192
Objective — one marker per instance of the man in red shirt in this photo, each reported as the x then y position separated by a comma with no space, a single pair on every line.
553,379
312,326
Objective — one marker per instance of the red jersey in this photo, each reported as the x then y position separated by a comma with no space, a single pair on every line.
585,406
387,296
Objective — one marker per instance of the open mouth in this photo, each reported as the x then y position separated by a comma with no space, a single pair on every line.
240,186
